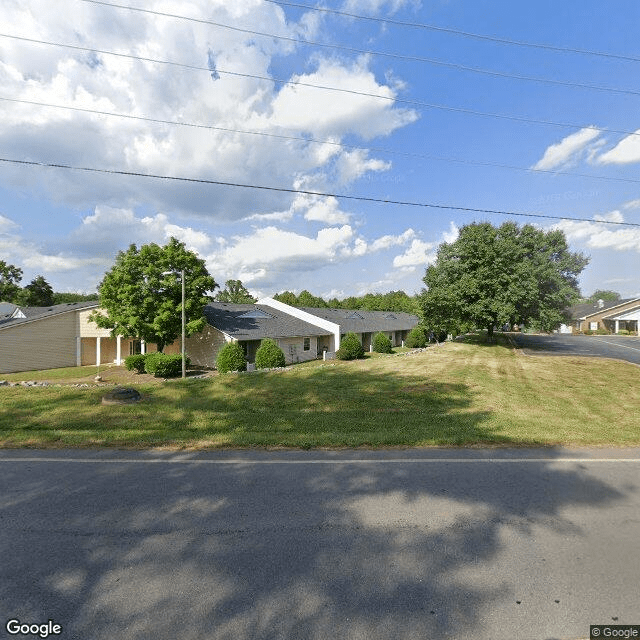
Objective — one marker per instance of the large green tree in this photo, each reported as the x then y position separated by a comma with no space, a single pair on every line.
142,293
508,274
234,291
38,293
10,277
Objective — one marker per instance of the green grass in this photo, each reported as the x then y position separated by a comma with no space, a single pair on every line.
458,394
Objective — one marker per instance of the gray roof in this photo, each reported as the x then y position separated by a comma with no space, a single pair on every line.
581,311
37,313
227,317
359,321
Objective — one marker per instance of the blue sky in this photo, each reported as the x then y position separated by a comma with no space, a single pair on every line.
400,128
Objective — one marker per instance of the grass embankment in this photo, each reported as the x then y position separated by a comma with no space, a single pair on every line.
456,394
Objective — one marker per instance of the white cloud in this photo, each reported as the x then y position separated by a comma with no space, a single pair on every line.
568,150
595,235
632,204
626,151
385,242
144,89
420,253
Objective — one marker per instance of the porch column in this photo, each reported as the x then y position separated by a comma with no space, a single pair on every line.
119,350
143,347
78,351
98,351
617,326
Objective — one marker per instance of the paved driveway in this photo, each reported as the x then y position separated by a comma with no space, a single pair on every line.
619,347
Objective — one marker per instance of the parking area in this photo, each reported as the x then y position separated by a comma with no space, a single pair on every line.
618,347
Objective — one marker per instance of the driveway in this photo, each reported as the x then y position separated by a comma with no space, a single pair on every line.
618,347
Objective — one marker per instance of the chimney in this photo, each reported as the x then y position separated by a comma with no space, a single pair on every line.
600,304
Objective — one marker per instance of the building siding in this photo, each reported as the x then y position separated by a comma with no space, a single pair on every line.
48,343
202,348
293,349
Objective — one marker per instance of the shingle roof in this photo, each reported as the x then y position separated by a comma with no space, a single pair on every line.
584,310
228,317
37,313
359,321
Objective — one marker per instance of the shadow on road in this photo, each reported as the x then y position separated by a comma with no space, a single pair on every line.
241,550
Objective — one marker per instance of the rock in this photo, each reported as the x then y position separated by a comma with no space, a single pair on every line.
121,395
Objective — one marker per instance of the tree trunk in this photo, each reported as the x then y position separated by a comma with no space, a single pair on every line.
490,332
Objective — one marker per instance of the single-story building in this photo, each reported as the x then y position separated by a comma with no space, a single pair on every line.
611,315
63,336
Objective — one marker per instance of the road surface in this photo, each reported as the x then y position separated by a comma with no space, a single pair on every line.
618,347
489,544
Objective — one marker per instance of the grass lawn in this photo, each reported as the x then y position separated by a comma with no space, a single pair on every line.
456,394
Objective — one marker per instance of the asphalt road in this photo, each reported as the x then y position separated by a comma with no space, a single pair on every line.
618,347
489,544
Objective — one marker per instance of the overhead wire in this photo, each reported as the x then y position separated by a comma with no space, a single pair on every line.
387,98
397,56
450,30
307,140
323,194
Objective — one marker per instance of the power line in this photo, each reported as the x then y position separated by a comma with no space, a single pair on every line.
306,140
405,203
398,56
458,32
395,99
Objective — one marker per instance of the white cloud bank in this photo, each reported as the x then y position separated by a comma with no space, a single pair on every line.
84,80
596,235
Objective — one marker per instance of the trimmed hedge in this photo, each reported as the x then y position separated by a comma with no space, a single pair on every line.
231,358
163,365
269,355
350,348
381,343
136,362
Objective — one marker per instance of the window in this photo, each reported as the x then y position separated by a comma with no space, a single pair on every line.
307,344
355,316
135,347
593,326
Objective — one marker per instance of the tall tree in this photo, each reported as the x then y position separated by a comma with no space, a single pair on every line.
142,293
10,277
234,291
38,293
604,294
492,275
288,297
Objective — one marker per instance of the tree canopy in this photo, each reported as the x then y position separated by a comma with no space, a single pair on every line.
495,275
234,291
142,293
10,277
391,301
603,294
38,293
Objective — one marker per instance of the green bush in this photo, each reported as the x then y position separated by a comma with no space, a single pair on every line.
381,343
163,365
136,362
231,358
588,332
269,355
601,332
623,332
350,348
417,338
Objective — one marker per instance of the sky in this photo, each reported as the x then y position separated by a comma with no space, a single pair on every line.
516,108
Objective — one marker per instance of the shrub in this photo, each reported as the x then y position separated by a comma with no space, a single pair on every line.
623,332
381,343
136,362
163,365
231,358
417,338
269,355
350,348
601,332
